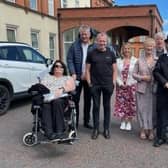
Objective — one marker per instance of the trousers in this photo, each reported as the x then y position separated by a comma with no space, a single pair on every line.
53,116
87,101
106,92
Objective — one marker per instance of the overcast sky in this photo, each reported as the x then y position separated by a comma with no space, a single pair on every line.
161,4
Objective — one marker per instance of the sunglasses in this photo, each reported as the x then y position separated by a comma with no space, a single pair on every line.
58,66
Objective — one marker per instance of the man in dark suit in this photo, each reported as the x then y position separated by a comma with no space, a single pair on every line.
161,76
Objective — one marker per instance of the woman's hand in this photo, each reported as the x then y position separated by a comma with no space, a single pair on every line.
146,78
58,92
123,86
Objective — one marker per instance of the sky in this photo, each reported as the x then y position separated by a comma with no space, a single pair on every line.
161,4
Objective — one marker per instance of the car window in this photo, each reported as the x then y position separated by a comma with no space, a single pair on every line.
31,55
10,53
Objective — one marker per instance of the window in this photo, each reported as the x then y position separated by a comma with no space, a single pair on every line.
35,39
51,7
132,40
31,55
77,3
141,52
33,4
142,38
52,45
69,37
11,1
10,53
11,33
133,51
64,4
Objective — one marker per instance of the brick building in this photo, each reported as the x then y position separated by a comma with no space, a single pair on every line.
51,26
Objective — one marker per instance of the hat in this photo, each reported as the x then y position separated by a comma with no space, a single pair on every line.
166,40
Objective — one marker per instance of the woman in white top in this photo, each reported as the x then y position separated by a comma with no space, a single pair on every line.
125,104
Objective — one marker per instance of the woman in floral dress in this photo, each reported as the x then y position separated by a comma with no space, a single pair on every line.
125,104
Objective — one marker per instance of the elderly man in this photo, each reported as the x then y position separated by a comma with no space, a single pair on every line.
101,76
161,76
76,64
160,44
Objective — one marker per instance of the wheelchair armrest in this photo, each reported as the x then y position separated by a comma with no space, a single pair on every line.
33,93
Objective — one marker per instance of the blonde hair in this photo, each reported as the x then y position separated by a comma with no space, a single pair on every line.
122,48
149,41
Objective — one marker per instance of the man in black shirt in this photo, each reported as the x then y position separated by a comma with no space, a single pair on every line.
101,76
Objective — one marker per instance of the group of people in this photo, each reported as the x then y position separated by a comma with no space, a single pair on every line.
98,72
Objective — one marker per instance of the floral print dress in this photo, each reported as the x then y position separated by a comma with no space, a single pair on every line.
125,104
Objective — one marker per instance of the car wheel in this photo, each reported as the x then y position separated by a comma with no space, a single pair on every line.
4,99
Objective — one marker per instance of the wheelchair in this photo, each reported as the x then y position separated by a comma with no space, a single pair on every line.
37,135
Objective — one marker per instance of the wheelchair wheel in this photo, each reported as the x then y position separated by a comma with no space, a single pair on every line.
30,139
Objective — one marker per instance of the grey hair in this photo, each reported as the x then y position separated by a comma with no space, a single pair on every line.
160,34
100,35
85,28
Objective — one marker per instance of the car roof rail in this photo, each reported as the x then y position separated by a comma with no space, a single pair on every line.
14,42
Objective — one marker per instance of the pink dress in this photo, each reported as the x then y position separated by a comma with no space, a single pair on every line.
125,104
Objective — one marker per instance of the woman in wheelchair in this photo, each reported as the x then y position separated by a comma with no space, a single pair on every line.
58,83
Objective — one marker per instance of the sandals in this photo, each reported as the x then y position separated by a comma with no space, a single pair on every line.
151,136
144,135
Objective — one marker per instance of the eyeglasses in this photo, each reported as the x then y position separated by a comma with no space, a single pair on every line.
58,66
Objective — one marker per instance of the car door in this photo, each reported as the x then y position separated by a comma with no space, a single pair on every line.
36,63
14,68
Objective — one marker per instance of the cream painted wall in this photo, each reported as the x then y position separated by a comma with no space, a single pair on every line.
25,22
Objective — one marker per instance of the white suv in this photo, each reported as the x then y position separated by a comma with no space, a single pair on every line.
20,66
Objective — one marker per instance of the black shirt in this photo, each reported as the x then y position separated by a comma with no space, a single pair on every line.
101,62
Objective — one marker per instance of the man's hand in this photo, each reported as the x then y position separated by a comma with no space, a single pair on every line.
166,85
74,76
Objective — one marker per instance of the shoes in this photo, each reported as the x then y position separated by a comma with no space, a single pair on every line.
51,136
106,134
95,134
123,125
128,126
86,125
151,135
143,135
158,142
60,135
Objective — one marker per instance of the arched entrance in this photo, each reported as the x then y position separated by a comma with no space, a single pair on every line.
121,23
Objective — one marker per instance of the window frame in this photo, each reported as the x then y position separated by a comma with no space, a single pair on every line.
52,49
64,3
77,3
12,28
51,7
13,1
33,4
36,32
